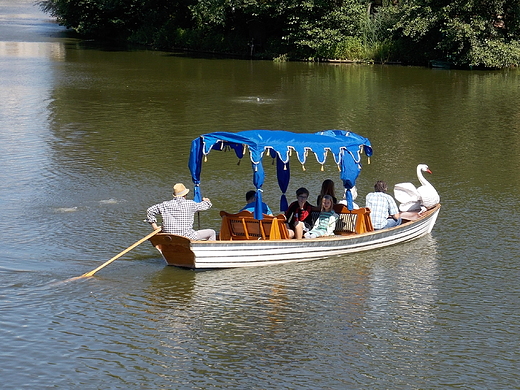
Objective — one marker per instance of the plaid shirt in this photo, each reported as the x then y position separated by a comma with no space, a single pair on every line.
177,215
381,207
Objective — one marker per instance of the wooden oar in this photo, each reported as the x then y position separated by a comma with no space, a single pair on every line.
88,274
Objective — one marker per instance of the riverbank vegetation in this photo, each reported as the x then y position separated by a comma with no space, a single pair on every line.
464,33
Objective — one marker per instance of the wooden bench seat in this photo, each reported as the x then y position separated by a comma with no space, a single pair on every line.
359,219
243,226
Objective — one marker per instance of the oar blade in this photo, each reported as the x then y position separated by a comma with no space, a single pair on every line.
91,273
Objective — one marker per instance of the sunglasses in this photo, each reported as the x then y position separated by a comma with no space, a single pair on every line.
302,197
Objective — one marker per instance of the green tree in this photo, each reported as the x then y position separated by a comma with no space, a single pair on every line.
475,33
107,18
465,32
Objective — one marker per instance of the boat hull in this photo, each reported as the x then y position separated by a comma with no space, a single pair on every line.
181,252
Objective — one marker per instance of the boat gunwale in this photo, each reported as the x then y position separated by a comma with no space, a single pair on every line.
208,255
425,217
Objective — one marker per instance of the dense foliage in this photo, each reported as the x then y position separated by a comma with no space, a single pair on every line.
476,33
465,32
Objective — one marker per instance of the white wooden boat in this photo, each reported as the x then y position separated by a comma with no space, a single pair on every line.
182,252
258,240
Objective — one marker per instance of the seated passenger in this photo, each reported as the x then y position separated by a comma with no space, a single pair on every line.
250,206
383,209
326,222
327,188
299,214
177,215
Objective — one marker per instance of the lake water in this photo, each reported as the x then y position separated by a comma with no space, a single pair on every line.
90,136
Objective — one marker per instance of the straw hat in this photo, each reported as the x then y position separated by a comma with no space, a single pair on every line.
179,190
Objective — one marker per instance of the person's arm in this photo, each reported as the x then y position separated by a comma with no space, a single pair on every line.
396,216
307,213
289,213
204,205
150,216
394,211
332,224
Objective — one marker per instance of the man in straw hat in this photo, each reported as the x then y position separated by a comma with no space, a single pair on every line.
177,215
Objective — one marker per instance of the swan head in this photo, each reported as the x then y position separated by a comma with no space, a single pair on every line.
423,168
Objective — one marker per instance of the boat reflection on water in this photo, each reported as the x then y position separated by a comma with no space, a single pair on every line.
403,291
170,287
236,314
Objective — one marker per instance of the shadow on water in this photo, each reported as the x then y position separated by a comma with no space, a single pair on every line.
117,46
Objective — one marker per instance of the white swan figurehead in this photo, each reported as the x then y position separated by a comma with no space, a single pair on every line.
422,198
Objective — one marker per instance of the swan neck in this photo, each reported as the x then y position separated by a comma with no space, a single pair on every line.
421,178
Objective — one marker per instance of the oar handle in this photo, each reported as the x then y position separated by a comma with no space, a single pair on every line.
88,274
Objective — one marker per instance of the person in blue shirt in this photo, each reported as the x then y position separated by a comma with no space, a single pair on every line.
250,206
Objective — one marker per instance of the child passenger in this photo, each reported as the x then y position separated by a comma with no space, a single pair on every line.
299,214
326,222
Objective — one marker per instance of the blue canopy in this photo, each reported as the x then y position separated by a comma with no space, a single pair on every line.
345,147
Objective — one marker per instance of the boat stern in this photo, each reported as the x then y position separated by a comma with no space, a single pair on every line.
175,250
